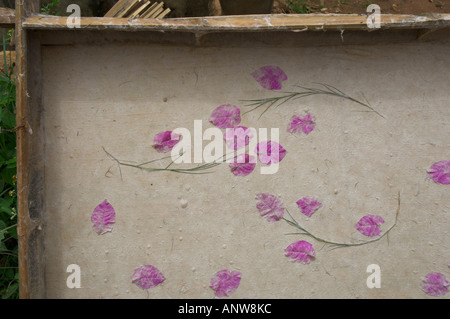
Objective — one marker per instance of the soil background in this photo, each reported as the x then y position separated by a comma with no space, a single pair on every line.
416,7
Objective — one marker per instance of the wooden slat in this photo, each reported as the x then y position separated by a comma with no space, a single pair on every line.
290,22
152,12
163,14
10,57
23,219
135,6
148,10
29,230
119,8
156,13
141,9
7,18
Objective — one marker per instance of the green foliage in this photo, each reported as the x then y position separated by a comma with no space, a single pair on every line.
299,6
50,8
8,192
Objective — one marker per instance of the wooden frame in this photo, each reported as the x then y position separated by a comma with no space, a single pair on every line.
29,147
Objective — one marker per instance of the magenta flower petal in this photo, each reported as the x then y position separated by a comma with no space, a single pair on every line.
270,77
369,225
270,207
225,116
147,276
225,282
435,284
300,125
164,142
237,137
300,251
440,172
103,218
243,165
270,152
308,205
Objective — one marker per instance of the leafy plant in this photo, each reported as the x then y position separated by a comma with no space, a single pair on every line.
299,6
50,8
8,201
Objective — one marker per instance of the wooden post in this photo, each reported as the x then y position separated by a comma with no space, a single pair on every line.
28,228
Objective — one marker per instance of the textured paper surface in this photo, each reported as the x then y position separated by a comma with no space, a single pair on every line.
119,96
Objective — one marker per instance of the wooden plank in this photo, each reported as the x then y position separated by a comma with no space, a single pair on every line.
148,10
31,275
10,57
128,9
156,13
294,22
141,9
118,8
163,14
152,12
7,18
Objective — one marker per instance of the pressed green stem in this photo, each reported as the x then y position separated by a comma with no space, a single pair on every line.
294,223
328,90
201,169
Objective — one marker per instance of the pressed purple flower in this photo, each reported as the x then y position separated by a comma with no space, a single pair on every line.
300,124
270,152
300,251
147,276
103,218
308,205
440,172
243,165
225,282
164,142
226,116
270,207
369,225
237,137
270,77
435,284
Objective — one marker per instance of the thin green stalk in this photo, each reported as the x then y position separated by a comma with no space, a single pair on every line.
200,169
11,226
295,224
307,91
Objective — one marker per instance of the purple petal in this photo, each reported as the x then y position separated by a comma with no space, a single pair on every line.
440,172
308,205
225,116
270,152
103,218
369,225
269,206
299,124
270,77
435,284
243,165
300,251
165,141
147,276
237,137
225,282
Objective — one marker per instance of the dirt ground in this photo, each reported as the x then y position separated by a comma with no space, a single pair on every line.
417,7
